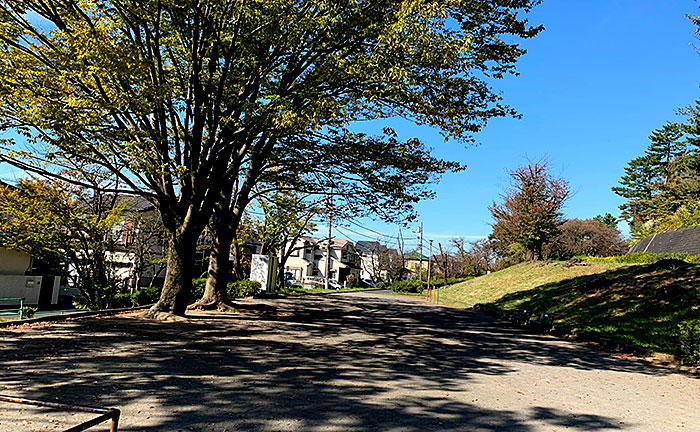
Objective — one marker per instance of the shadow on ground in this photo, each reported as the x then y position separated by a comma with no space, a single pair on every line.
337,362
640,305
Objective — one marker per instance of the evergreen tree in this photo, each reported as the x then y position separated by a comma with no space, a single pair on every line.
667,144
638,187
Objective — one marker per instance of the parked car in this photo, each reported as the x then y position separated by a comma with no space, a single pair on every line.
365,283
334,284
313,282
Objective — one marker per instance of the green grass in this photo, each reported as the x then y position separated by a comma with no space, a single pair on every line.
636,304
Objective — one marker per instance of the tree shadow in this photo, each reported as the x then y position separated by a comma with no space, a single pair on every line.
638,305
343,362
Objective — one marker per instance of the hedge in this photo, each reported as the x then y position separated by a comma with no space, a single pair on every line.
642,258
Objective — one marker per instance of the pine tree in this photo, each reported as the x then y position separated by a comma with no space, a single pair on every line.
638,187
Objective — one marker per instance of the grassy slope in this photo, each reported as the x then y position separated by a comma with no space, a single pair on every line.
639,304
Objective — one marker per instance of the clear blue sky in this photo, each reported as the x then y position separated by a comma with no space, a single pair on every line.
592,87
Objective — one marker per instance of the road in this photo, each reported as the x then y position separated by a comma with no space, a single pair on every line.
340,362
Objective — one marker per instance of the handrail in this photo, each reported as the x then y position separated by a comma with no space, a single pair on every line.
105,413
21,305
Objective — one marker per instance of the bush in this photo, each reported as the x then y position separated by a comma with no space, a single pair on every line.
28,312
690,341
408,286
145,296
351,281
243,288
643,258
198,287
122,301
380,285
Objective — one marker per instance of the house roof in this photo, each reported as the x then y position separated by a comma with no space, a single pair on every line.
684,240
414,256
336,243
367,246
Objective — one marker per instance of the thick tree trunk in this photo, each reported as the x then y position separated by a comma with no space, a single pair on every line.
215,291
178,278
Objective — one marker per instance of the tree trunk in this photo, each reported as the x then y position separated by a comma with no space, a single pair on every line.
178,277
215,291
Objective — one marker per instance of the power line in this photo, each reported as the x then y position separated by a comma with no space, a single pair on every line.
371,230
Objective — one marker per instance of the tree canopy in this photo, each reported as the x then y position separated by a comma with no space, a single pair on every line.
531,210
182,100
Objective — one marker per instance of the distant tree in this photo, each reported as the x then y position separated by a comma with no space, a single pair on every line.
531,210
638,187
587,237
607,219
665,179
472,258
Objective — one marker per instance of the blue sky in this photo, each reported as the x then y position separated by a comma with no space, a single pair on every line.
601,77
592,87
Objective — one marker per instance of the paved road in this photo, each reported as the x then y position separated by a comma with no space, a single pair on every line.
341,362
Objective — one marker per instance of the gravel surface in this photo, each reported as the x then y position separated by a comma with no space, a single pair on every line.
341,362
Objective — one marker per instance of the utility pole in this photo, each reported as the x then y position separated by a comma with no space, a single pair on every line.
420,263
430,267
444,260
330,239
399,239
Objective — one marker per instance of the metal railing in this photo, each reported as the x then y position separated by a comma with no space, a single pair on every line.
21,306
105,413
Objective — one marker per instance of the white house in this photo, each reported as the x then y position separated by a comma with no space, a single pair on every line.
309,259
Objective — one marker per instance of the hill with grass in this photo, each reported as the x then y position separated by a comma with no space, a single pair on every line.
640,304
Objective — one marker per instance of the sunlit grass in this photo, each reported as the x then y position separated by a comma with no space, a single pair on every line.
636,304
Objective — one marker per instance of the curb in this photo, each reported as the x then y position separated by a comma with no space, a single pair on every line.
72,315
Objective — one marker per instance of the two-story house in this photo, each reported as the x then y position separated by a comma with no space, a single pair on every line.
308,258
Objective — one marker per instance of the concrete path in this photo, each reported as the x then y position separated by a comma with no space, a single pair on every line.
341,362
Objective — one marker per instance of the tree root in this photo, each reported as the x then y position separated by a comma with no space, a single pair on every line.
158,315
226,306
212,305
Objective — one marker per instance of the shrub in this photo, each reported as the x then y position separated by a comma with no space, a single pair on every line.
28,312
145,296
408,286
351,281
690,341
380,285
198,287
643,258
122,301
243,288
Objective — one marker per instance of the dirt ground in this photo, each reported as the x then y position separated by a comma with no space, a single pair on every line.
342,362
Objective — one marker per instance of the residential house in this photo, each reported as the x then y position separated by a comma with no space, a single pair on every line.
309,259
19,280
377,261
414,260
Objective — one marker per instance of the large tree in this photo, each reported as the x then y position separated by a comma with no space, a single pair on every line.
190,102
531,211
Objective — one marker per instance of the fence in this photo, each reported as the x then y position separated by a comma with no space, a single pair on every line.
20,311
105,413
